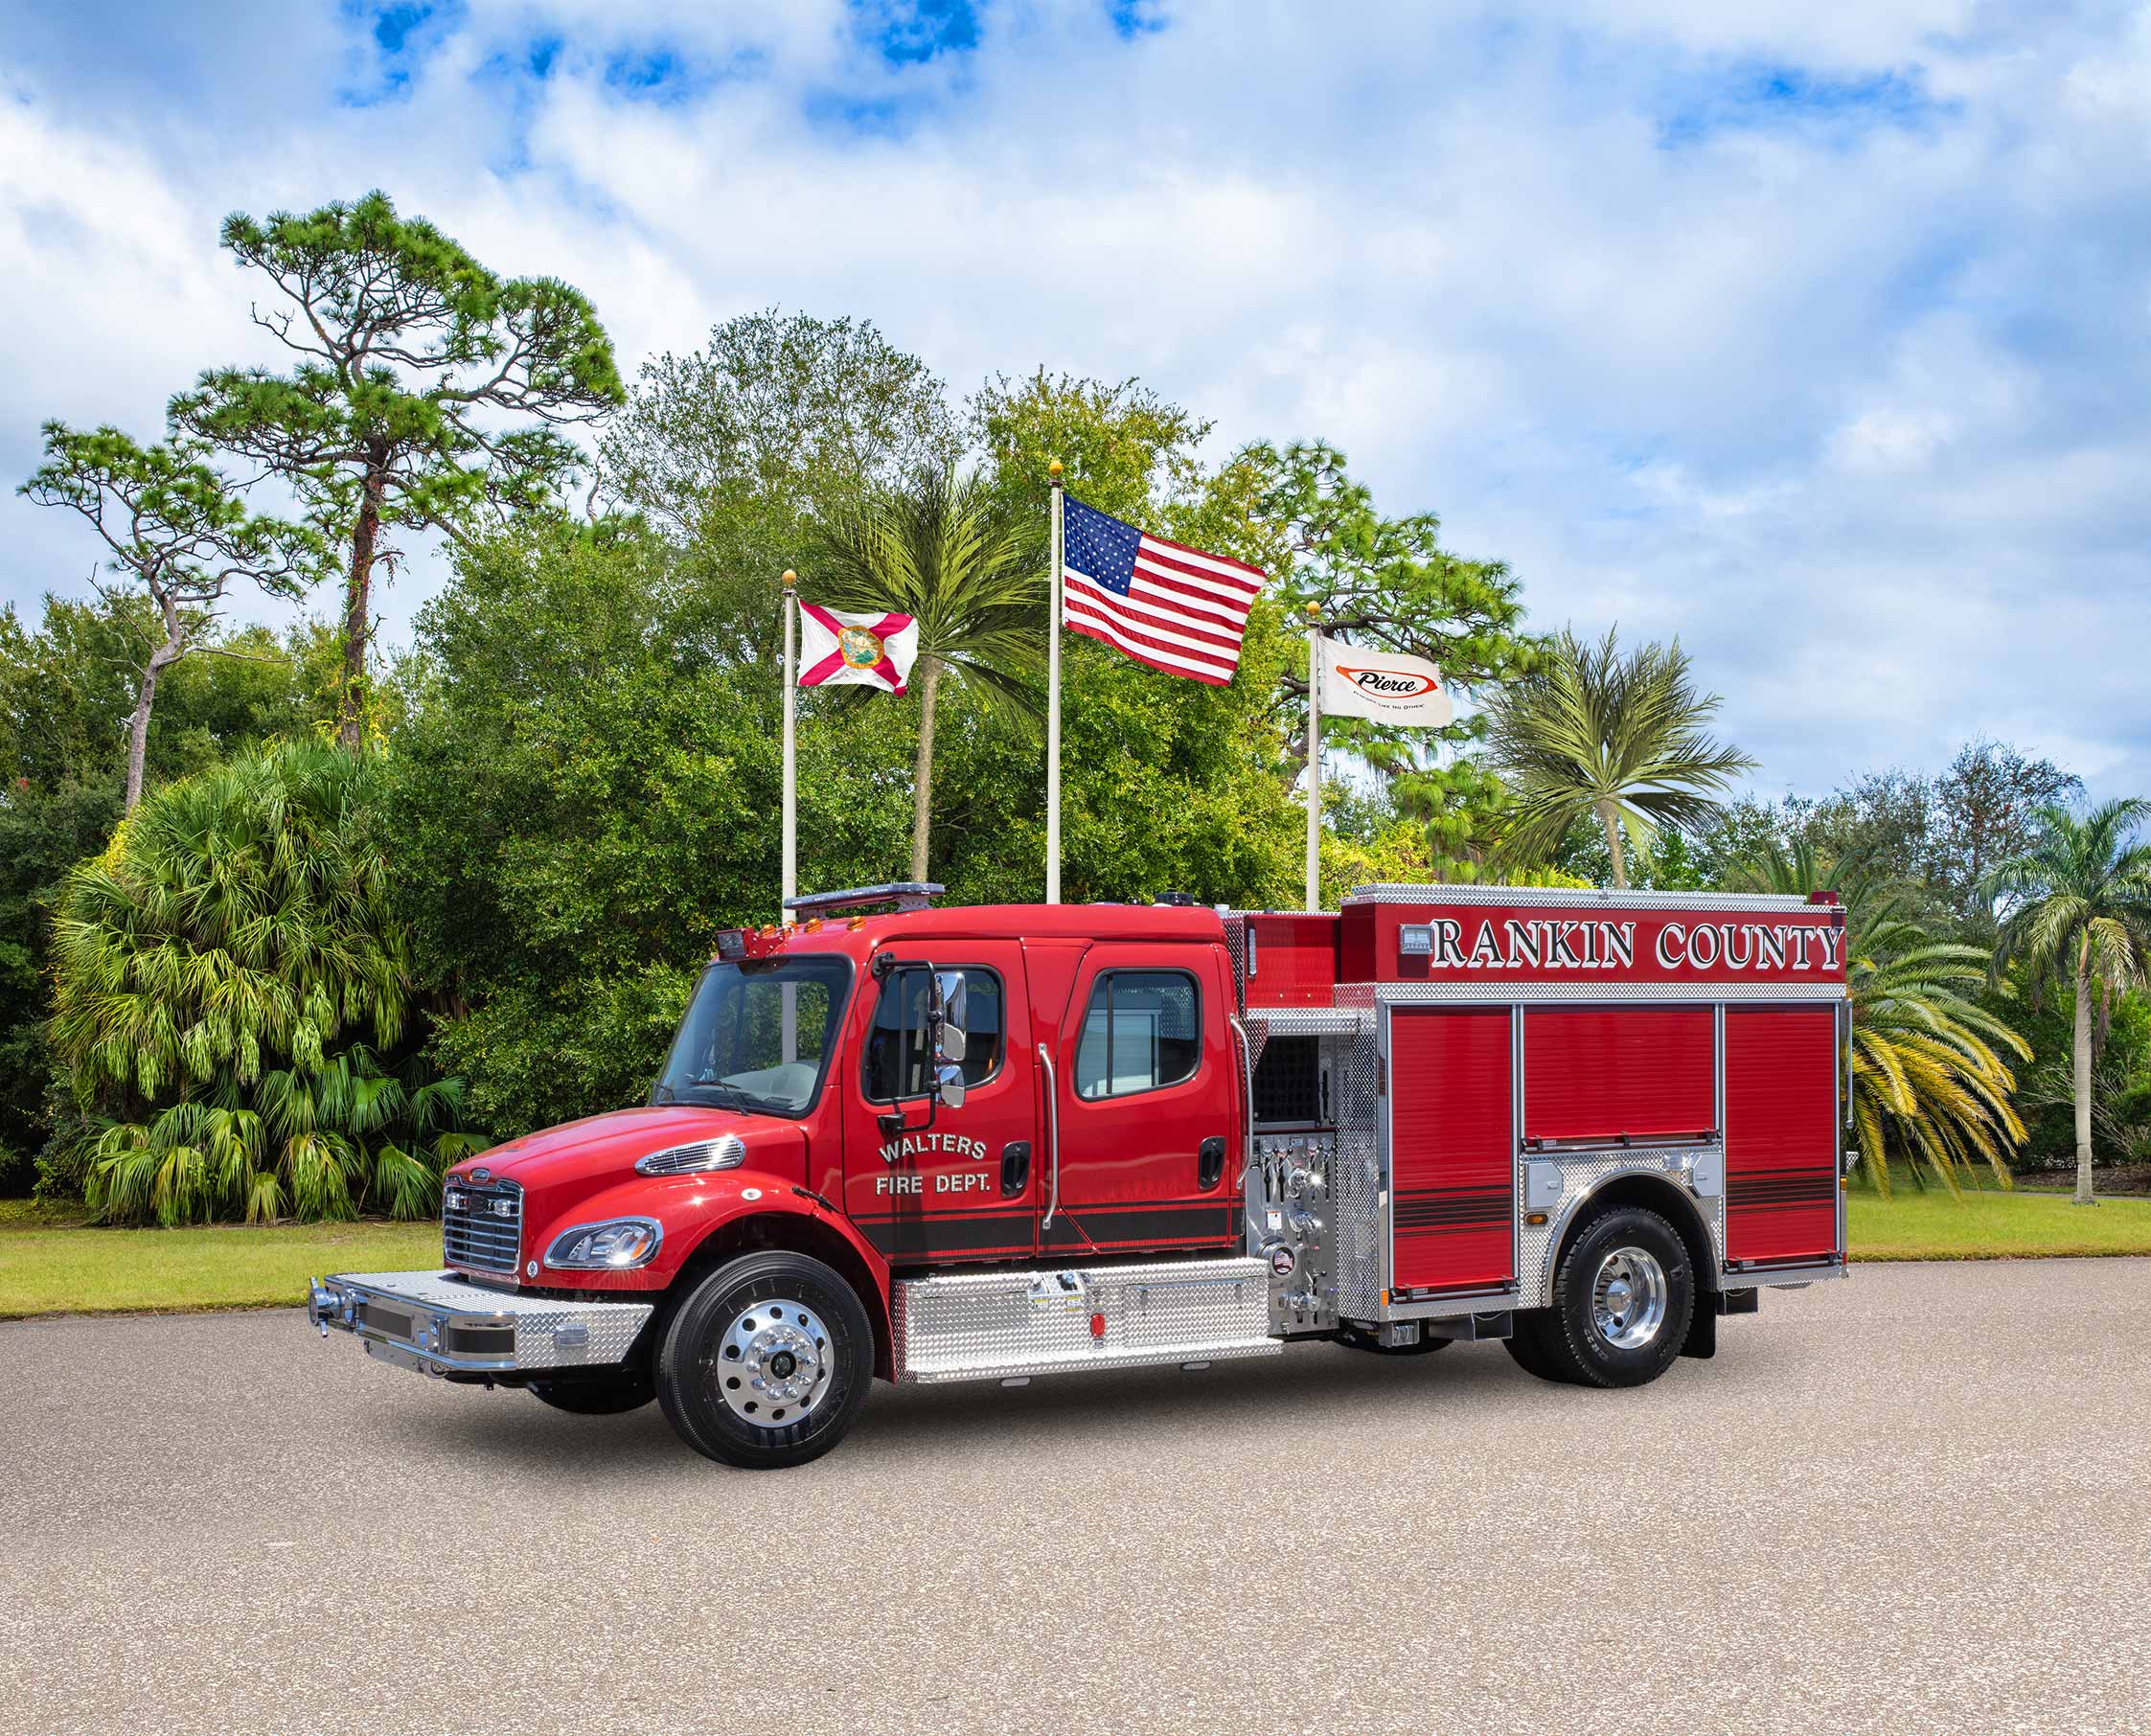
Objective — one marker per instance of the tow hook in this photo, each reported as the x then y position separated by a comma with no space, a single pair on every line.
321,1304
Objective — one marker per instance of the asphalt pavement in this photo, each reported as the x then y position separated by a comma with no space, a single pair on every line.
1916,1501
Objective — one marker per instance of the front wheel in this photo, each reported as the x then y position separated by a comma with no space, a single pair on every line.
766,1363
1622,1300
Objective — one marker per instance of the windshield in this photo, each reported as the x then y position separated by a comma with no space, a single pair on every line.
757,1035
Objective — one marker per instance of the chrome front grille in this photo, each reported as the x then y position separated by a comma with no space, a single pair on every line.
482,1227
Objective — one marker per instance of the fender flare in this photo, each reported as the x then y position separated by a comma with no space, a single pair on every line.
787,1217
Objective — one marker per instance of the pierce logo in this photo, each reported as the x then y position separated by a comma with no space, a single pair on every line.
1389,683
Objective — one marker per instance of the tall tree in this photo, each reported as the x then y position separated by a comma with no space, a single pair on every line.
428,389
733,449
1623,738
2078,907
172,527
944,551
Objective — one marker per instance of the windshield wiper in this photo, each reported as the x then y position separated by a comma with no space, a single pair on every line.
732,1095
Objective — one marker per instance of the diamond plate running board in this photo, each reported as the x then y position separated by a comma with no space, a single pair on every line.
976,1326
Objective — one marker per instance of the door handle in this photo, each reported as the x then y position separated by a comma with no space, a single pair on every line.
1016,1168
1209,1164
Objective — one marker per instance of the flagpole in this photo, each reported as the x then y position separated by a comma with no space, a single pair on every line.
1053,704
792,801
1313,757
788,1018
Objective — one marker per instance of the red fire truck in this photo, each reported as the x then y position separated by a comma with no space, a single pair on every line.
937,1144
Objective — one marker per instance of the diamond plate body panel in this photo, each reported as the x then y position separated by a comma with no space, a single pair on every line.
1584,1173
972,1326
1358,1191
550,1331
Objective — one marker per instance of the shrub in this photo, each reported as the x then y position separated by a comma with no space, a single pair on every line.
233,1002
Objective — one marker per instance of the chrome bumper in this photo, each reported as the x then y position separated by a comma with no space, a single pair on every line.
440,1324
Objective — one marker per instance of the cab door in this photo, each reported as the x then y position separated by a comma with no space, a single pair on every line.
1146,1104
930,1184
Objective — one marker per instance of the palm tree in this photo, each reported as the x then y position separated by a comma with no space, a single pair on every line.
1926,1078
216,973
946,552
2078,909
1622,738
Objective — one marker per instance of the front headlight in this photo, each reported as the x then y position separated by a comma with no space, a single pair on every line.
613,1245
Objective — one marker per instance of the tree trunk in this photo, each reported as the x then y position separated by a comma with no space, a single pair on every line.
1610,817
2084,1086
922,772
145,696
359,593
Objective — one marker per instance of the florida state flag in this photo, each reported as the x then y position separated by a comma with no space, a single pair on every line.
839,648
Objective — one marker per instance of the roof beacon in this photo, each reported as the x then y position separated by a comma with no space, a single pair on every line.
896,895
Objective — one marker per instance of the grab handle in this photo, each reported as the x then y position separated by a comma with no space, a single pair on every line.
1052,1137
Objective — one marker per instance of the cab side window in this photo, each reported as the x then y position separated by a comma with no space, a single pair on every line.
1142,1030
899,1057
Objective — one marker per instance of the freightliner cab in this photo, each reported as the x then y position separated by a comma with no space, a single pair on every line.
899,1142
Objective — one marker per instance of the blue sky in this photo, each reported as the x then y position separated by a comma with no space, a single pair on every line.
1817,335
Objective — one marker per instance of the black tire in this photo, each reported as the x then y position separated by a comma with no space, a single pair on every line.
1583,1333
703,1384
1355,1337
630,1390
1528,1349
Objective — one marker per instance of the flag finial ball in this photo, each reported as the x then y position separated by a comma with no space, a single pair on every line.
1314,611
1053,468
790,577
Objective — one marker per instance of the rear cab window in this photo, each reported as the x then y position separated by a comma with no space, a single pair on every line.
1141,1032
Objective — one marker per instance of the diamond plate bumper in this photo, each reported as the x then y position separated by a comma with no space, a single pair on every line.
436,1323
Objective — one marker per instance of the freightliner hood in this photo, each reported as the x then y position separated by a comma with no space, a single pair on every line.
605,1146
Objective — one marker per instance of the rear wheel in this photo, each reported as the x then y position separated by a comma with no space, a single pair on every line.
1622,1300
1527,1347
766,1363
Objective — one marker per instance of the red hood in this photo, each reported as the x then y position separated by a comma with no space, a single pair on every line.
599,1146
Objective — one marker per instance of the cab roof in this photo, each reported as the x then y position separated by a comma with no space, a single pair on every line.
1197,922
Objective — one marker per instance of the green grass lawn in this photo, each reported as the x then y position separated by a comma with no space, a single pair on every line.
51,1263
1988,1224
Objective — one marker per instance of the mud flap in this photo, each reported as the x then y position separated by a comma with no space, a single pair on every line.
1702,1341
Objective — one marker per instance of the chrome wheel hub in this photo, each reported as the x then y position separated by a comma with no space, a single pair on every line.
772,1364
1627,1298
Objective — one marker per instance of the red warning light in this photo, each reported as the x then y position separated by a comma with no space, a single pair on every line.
1097,1326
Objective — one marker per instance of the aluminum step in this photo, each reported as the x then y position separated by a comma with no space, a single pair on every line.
995,1325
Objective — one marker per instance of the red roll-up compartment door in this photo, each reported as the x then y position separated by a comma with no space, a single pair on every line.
1781,1133
1451,1148
1613,1073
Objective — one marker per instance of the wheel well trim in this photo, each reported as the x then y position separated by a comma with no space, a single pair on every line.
780,1222
1689,1226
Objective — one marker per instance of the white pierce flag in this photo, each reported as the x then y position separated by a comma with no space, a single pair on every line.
1384,687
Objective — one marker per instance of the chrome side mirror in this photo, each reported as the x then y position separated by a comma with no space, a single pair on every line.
946,1013
948,1086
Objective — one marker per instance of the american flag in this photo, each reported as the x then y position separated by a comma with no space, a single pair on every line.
1163,603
